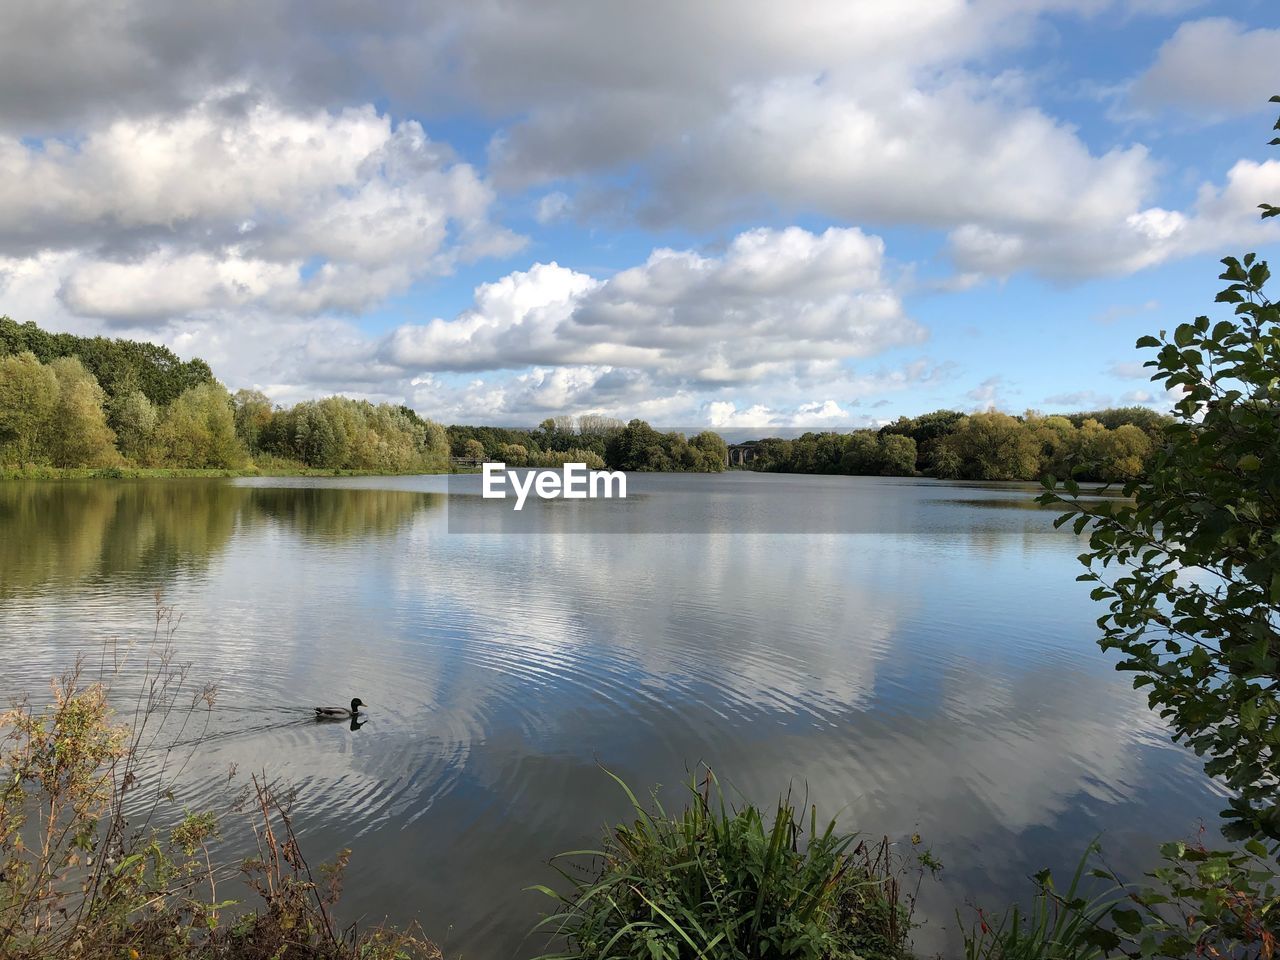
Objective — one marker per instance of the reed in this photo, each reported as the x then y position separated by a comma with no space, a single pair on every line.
718,882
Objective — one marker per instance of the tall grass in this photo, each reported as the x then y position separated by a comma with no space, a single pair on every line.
1059,926
721,883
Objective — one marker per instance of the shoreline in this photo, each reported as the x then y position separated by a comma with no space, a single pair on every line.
192,473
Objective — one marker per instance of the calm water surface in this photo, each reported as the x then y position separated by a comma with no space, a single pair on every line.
937,673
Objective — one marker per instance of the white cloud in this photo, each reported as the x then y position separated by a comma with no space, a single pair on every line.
776,298
552,207
1212,67
989,394
238,202
1129,370
1221,216
943,156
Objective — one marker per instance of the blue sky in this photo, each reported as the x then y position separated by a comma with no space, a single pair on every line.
737,214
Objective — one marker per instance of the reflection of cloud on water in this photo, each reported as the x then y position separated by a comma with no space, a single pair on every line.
946,680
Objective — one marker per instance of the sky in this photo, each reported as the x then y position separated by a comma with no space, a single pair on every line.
729,213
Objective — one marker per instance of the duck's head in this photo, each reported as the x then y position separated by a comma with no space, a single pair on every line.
356,704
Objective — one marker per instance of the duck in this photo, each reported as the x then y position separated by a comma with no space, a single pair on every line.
340,713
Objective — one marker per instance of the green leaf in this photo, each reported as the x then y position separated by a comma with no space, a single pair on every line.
1130,921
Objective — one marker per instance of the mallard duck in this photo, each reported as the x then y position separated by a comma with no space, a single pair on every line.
339,713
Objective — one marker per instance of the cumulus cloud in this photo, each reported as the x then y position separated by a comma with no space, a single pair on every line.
785,312
1222,215
989,394
775,298
874,113
1213,67
239,202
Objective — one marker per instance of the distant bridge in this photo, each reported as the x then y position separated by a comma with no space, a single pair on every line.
742,454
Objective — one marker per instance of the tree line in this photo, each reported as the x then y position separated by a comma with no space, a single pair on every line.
1108,445
595,440
69,402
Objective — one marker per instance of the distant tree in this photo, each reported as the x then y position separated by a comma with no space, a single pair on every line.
198,430
711,452
28,396
314,438
513,454
898,454
863,454
135,420
558,458
597,425
119,366
637,446
77,433
870,454
253,414
473,450
1146,419
926,430
1059,443
993,446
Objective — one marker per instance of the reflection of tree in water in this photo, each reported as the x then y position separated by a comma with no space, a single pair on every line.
68,531
338,514
52,530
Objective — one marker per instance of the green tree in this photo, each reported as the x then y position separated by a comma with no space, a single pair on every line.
77,433
513,454
711,453
1059,442
135,420
863,454
198,430
926,430
898,456
993,446
473,450
119,366
869,454
1124,453
1190,570
253,414
28,395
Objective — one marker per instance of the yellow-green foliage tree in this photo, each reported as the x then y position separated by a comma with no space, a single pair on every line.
253,415
558,458
1115,455
77,434
514,454
992,446
199,430
28,395
136,419
338,433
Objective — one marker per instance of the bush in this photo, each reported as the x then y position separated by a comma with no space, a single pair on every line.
720,883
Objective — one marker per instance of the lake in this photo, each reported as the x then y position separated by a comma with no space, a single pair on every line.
930,668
